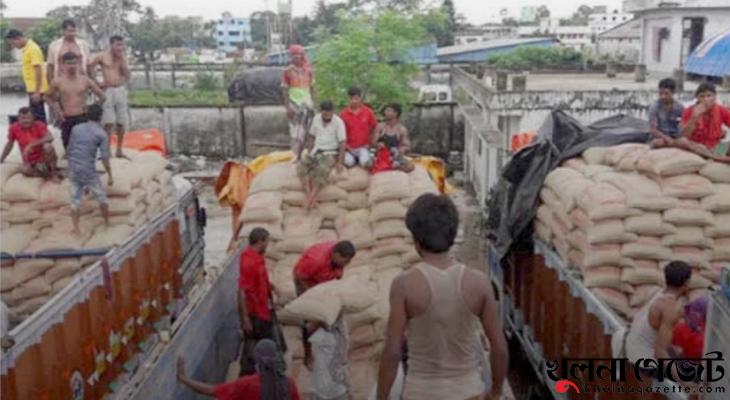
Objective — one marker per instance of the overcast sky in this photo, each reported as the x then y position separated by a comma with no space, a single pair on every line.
476,11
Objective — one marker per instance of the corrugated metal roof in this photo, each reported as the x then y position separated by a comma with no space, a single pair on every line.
628,29
488,45
712,57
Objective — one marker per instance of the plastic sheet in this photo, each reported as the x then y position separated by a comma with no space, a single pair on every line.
257,86
512,202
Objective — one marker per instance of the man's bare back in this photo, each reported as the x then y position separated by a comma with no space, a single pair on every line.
72,92
114,70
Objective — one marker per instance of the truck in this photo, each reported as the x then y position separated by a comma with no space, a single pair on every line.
546,308
93,335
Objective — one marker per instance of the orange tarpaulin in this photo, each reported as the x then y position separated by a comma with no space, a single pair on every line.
142,140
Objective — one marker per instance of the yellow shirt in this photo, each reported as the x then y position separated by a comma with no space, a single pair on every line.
32,56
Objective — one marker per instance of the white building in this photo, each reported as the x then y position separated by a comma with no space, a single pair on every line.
577,37
484,33
600,23
232,33
670,33
623,42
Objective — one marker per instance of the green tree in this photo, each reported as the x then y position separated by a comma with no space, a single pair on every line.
370,53
91,17
146,36
45,33
6,51
259,27
437,24
526,58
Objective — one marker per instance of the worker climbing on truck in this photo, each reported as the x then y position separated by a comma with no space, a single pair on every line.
255,305
268,383
88,139
297,83
650,334
325,143
434,307
34,140
321,263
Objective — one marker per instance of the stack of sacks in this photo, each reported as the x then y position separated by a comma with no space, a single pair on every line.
36,217
620,214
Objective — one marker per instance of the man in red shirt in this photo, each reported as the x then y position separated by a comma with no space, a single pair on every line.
39,158
702,123
268,383
360,123
254,296
320,263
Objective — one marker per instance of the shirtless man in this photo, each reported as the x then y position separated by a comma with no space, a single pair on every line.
650,335
115,71
67,96
393,135
67,43
437,307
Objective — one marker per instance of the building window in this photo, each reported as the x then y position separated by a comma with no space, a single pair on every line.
221,44
220,33
234,33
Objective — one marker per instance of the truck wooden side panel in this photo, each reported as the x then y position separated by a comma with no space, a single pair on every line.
94,331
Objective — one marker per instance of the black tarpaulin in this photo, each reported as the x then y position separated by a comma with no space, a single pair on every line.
257,86
512,201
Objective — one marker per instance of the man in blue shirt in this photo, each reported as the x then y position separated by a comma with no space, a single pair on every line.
86,140
665,113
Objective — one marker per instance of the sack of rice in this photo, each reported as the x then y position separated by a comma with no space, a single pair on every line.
35,287
595,155
615,299
354,226
670,161
720,226
362,318
642,294
603,201
109,236
27,307
550,199
543,231
687,186
62,268
614,154
394,261
354,201
23,271
362,258
388,185
331,210
392,209
390,228
688,236
721,250
331,193
283,279
362,336
61,284
650,224
567,186
640,191
698,281
631,158
355,294
646,247
608,232
716,172
7,170
301,225
294,198
316,304
353,179
642,276
21,188
608,277
573,163
694,256
683,216
276,177
262,207
384,278
21,214
720,201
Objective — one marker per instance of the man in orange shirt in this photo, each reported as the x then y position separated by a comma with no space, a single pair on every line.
320,263
254,298
702,123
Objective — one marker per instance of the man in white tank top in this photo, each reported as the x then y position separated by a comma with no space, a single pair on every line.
650,335
437,307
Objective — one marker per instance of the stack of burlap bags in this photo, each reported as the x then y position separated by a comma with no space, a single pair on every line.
36,217
367,210
620,214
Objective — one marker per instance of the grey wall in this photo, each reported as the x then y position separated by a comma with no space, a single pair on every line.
228,132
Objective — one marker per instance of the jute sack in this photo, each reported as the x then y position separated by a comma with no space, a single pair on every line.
687,186
609,277
716,172
720,201
276,177
262,207
646,247
615,299
21,188
316,304
354,201
389,185
595,155
642,294
670,161
353,180
688,236
390,228
720,226
62,268
388,210
650,223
